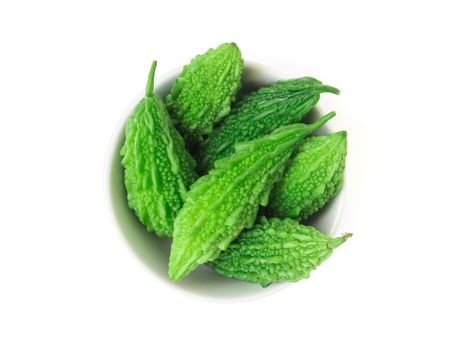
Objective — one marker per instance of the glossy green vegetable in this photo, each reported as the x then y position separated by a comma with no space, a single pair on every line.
222,203
202,94
312,178
158,169
276,251
259,113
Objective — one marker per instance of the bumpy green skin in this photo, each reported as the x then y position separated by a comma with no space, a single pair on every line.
276,251
222,203
313,177
259,113
205,89
158,169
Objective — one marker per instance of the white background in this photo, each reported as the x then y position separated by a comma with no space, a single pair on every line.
69,69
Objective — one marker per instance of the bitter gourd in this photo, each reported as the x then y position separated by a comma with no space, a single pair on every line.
276,251
203,92
220,204
312,178
259,113
158,169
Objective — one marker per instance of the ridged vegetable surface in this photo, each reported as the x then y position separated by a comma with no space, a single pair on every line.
222,203
205,89
276,251
259,113
158,169
313,177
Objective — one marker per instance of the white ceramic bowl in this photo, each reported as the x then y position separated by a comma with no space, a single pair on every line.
154,251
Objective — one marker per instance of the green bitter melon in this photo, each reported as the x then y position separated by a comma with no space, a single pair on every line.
312,178
205,89
158,169
276,251
259,113
222,203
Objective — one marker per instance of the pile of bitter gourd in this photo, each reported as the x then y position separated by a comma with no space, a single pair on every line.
230,179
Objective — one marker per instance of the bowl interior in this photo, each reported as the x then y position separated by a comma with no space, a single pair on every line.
154,251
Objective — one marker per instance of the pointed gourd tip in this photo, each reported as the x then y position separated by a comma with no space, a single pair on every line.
176,271
232,43
332,90
173,276
320,122
150,83
339,136
325,88
336,242
347,235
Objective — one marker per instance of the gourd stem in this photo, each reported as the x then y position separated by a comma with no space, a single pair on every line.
336,242
318,124
150,83
325,88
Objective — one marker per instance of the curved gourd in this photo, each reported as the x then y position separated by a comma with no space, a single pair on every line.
259,113
205,89
158,169
276,251
312,178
